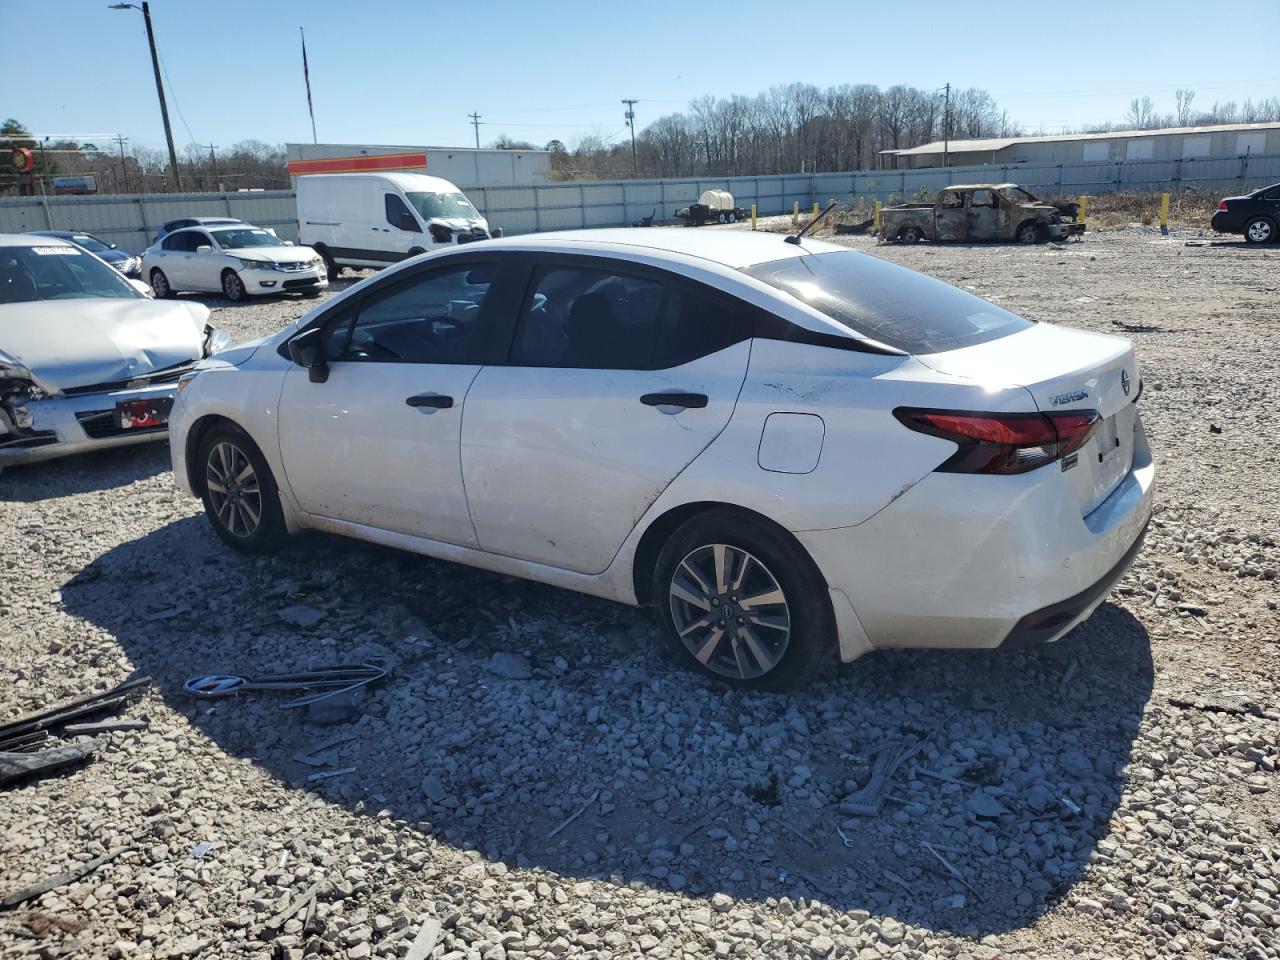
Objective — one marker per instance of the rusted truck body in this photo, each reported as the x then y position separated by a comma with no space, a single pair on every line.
981,211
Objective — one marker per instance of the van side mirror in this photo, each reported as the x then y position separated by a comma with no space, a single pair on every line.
111,246
408,222
495,232
307,350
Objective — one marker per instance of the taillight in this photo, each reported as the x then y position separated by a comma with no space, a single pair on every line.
1003,442
1222,204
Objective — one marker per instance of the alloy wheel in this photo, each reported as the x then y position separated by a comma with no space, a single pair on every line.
730,611
1259,231
160,284
232,286
234,492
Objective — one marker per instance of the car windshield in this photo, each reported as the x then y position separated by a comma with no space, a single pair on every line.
58,272
246,237
92,244
443,206
1018,195
888,303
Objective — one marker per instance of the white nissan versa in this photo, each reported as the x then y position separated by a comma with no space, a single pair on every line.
796,452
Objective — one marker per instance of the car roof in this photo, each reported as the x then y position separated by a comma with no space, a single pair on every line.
405,181
58,233
734,249
29,240
200,220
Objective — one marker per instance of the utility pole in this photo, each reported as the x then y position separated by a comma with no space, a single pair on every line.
630,117
155,65
213,157
946,128
475,122
124,168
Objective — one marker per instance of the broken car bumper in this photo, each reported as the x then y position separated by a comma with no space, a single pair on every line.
1061,231
60,426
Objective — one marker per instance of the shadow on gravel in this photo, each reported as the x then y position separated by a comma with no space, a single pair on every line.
84,473
699,789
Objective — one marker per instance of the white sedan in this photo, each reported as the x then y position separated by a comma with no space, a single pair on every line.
798,453
238,260
87,360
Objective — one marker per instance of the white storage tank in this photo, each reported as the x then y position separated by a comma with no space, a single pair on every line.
716,199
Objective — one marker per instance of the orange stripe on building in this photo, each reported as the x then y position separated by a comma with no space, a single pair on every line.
388,161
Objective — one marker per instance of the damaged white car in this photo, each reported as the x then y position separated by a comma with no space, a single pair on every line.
87,360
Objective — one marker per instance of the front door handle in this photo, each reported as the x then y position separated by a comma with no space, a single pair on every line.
686,400
436,401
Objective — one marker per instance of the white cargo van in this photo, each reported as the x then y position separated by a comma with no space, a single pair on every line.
375,219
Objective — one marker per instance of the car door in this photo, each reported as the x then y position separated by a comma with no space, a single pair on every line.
987,216
403,232
377,443
204,268
951,221
179,250
618,377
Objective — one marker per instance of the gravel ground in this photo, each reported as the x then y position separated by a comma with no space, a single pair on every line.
541,782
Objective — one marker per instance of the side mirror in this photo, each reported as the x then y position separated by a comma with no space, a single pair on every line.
287,243
407,222
204,248
111,246
495,232
307,350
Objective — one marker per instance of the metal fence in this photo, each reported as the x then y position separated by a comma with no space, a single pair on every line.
132,221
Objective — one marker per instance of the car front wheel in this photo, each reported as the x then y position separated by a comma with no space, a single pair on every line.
742,602
1260,230
1029,233
238,490
233,286
160,285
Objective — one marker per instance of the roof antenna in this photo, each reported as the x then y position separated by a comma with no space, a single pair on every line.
812,223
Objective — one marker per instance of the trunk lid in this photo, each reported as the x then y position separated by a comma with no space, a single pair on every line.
1065,370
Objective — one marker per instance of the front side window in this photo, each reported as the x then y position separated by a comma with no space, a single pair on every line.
60,272
887,303
982,198
427,318
443,206
398,214
239,238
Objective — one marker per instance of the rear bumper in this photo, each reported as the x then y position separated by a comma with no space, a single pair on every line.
963,561
1225,221
61,426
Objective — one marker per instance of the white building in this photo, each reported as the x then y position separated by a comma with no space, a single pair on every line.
464,166
1224,141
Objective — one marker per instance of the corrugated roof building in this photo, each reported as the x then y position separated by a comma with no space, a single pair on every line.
1218,142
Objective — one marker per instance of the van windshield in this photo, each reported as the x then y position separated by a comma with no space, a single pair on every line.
443,206
889,303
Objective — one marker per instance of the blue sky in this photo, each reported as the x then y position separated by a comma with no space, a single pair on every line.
410,72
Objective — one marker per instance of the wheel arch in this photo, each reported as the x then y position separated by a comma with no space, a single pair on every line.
645,557
195,435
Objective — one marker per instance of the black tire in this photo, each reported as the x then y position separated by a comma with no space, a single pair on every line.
910,235
722,218
269,531
1260,230
160,284
311,294
1030,233
233,287
331,266
416,251
733,216
809,646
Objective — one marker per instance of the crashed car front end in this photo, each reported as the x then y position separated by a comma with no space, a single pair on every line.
41,421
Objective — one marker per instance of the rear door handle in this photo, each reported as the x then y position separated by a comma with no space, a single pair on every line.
436,401
674,400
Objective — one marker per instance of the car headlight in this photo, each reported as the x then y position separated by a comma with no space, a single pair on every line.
216,340
184,381
258,264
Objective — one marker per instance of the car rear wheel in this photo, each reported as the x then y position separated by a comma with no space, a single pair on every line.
911,235
742,602
1030,233
238,490
233,286
1260,230
160,284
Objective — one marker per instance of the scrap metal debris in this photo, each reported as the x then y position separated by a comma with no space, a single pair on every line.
425,941
62,879
29,727
1229,702
868,801
20,766
326,682
951,869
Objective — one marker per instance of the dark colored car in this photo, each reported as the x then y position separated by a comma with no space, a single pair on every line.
126,263
183,222
1256,216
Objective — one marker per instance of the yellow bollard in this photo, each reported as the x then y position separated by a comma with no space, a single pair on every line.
876,220
816,208
753,216
795,213
1084,209
1164,214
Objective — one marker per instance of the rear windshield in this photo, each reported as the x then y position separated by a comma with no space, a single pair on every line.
891,304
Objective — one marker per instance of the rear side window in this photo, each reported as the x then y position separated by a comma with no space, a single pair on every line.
890,304
175,241
597,319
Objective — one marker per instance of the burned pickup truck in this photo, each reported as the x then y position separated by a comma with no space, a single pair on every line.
981,211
